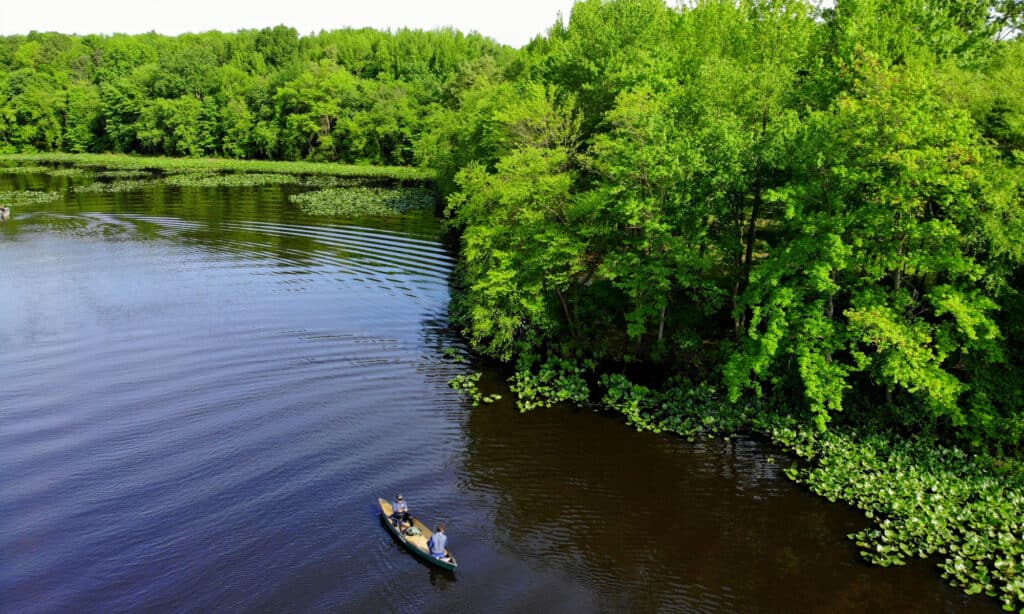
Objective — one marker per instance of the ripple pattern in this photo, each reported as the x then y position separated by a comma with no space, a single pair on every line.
202,394
181,400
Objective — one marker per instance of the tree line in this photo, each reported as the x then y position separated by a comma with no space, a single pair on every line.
817,205
354,96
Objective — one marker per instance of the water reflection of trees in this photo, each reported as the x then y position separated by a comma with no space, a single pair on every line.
651,523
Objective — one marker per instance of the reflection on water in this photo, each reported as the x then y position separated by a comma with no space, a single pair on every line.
204,393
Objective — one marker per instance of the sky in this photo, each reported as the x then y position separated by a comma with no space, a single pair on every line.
512,22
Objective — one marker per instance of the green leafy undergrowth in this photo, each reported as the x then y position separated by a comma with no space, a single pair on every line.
682,409
359,201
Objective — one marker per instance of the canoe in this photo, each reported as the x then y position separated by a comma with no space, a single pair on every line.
417,544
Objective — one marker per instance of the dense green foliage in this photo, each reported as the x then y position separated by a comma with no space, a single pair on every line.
355,96
824,206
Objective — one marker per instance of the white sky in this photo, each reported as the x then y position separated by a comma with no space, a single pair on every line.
512,22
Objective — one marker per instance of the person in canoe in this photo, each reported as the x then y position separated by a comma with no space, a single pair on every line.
438,543
400,513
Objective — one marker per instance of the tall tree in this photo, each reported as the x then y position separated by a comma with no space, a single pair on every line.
882,278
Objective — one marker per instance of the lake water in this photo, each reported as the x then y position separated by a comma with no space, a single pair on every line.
203,393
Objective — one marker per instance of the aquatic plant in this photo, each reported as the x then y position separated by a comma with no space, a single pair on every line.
232,180
469,385
120,185
125,174
195,165
557,380
925,500
66,172
357,201
454,354
324,181
23,170
25,198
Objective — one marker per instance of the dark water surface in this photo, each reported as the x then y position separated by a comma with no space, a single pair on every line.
202,394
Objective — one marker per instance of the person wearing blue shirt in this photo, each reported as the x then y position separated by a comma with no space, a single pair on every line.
438,543
400,511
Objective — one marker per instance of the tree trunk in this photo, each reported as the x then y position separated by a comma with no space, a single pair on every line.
748,255
661,324
565,310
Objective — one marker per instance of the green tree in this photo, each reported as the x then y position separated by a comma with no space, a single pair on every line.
521,248
311,107
655,230
83,118
882,280
33,109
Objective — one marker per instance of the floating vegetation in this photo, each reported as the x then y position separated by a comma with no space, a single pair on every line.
358,201
23,170
453,354
121,185
232,180
323,181
469,385
925,500
66,172
556,381
125,174
27,198
210,165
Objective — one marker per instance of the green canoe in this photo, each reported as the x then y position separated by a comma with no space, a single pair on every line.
415,543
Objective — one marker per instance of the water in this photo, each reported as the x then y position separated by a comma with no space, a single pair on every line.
202,394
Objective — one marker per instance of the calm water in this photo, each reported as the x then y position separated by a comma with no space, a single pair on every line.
202,393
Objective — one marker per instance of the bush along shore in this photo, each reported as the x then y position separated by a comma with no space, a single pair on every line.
920,498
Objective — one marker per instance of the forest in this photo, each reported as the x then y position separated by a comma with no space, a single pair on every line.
355,96
774,215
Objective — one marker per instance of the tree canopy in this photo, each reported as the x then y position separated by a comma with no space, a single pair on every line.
354,96
819,205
